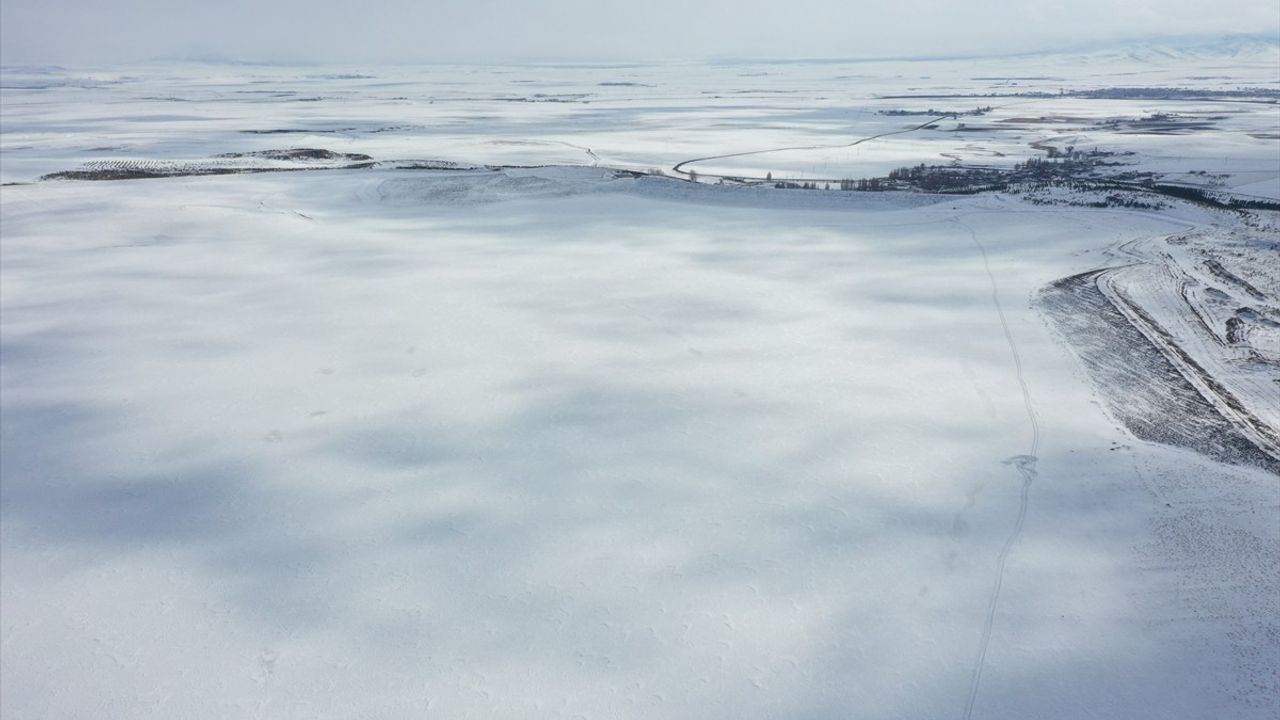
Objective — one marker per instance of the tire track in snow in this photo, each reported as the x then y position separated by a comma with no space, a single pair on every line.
1026,466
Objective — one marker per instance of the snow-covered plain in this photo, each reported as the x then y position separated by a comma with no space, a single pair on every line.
565,442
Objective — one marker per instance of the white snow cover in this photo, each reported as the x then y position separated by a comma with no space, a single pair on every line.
559,442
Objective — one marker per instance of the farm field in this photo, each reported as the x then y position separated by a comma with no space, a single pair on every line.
587,391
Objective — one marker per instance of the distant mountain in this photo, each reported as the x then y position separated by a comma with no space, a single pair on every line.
209,57
1251,47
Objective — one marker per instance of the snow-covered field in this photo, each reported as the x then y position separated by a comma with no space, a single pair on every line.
561,441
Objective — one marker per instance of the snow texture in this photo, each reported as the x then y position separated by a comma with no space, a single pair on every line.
430,435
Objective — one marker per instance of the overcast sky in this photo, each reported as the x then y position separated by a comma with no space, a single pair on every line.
106,31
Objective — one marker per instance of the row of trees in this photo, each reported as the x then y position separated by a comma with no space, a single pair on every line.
936,113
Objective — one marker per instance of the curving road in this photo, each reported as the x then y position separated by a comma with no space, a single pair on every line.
679,167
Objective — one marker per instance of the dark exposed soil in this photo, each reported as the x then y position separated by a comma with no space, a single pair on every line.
139,173
298,131
307,159
300,154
